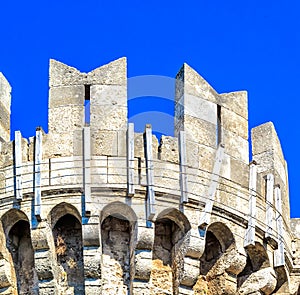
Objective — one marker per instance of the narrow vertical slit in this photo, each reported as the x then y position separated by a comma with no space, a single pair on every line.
140,170
87,97
219,125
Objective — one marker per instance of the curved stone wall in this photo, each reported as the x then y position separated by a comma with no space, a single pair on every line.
99,209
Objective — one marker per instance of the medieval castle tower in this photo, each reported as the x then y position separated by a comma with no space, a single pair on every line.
99,209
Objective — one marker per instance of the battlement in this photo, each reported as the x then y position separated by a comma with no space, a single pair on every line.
97,208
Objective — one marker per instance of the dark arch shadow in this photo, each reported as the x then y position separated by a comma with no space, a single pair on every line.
171,227
18,242
218,239
67,235
118,235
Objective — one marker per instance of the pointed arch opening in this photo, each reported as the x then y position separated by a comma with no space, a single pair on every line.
18,242
170,229
218,239
216,276
67,235
118,234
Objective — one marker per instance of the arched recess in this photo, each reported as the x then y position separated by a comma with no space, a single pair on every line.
217,276
118,235
217,240
67,235
171,227
258,275
18,241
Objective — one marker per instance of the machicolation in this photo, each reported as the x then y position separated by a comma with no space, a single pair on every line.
95,208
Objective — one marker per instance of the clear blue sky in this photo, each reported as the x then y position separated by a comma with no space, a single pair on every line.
235,45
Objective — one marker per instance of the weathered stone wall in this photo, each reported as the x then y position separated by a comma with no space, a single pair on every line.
5,101
94,208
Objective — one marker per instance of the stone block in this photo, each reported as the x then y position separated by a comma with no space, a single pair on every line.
183,290
145,238
110,143
139,151
236,101
140,288
5,103
61,74
117,171
200,131
39,238
5,91
104,143
206,158
161,278
66,96
108,117
230,198
4,132
166,176
4,117
295,227
234,123
2,185
225,170
99,169
168,149
265,138
113,73
66,119
6,154
109,95
92,264
24,150
198,183
143,264
43,261
90,233
196,107
67,170
236,146
9,181
48,287
270,161
194,84
122,143
263,280
196,244
92,288
192,154
191,271
239,172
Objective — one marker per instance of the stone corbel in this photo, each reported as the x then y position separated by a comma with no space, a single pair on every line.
194,251
143,253
41,238
263,280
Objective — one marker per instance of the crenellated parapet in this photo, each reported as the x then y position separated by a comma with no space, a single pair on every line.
96,208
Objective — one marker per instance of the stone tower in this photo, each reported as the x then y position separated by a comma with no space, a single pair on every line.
94,208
